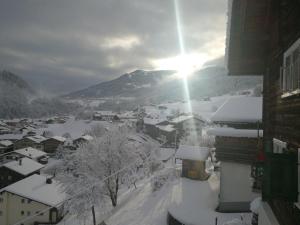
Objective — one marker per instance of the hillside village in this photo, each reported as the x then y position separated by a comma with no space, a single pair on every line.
30,147
231,159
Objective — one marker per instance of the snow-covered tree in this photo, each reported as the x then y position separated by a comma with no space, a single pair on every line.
97,130
96,170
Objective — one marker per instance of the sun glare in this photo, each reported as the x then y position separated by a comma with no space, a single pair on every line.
184,64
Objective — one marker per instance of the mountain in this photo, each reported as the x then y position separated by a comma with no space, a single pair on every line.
9,80
18,100
164,85
132,84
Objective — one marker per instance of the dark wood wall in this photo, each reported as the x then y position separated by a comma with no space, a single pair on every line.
281,115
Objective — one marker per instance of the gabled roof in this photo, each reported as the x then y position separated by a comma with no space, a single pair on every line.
31,152
86,137
59,138
183,118
192,152
239,109
26,167
36,189
5,143
37,138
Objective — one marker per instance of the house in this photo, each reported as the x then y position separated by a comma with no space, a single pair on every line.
19,169
5,130
51,144
30,141
238,139
167,134
32,153
32,196
83,139
193,161
264,39
106,116
188,125
6,146
150,126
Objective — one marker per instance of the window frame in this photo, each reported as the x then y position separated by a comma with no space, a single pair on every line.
290,71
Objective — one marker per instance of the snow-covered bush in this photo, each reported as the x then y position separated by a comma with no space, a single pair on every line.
160,179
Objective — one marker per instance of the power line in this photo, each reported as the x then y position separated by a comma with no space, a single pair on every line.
81,192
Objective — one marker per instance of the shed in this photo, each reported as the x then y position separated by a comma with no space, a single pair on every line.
193,161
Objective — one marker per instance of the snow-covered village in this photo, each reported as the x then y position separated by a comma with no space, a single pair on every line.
201,128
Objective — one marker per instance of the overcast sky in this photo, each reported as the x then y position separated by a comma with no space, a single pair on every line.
65,45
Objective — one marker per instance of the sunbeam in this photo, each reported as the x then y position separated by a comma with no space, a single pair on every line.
183,70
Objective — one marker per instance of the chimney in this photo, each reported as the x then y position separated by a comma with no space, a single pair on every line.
20,162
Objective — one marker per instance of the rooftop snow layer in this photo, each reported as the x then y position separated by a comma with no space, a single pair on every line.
167,128
36,189
192,152
231,132
182,118
6,143
25,167
59,138
87,137
31,152
239,109
37,138
153,121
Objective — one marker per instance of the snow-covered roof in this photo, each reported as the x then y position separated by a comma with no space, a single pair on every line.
59,138
167,128
153,121
3,124
37,138
105,113
183,118
192,152
31,152
87,137
27,166
232,132
36,189
239,109
6,143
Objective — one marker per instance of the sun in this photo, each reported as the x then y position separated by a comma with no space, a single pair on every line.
184,64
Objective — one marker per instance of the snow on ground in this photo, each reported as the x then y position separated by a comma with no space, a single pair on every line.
166,153
191,201
203,108
75,128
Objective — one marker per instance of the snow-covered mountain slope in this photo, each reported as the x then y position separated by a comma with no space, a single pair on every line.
164,85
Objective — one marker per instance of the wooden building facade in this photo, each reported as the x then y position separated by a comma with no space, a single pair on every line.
264,39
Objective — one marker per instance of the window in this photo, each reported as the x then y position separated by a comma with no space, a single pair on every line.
1,213
28,201
1,200
290,71
22,213
22,200
278,146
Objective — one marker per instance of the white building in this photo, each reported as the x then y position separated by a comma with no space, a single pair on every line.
29,197
237,145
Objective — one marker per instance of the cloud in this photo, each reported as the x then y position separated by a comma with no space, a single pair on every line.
63,45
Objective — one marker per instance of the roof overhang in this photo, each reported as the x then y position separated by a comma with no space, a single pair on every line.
247,37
